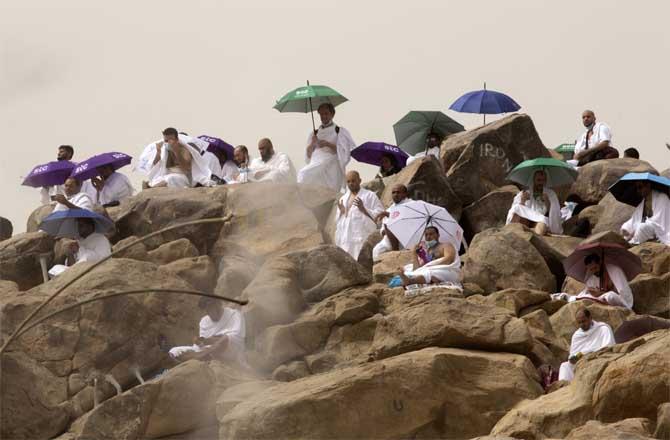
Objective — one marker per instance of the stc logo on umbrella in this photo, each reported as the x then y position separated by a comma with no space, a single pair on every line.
395,214
80,168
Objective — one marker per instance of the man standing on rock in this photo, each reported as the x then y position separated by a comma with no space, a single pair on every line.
595,143
590,336
271,166
74,197
389,241
357,210
328,152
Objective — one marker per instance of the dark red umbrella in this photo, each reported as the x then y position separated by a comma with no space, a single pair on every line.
610,253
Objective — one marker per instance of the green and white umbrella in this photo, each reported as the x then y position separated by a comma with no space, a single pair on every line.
565,148
308,98
558,172
411,131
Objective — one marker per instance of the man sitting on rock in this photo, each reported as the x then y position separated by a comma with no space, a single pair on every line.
537,207
590,336
433,141
223,168
605,283
651,218
74,197
111,187
389,241
221,335
433,262
271,166
356,213
595,143
89,246
176,164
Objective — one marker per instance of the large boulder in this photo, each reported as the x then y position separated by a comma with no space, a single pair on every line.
501,258
612,214
172,251
655,257
20,258
425,180
652,295
620,382
393,398
200,272
389,263
490,211
596,177
478,161
36,217
628,429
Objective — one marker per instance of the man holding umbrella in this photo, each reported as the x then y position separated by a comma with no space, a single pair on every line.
433,142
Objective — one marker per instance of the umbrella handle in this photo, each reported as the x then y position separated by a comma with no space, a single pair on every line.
311,111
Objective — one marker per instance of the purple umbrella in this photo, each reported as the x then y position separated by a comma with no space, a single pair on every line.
89,168
218,144
372,153
49,174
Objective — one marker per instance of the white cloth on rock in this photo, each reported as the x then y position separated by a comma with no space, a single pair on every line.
535,210
279,169
227,172
600,335
601,132
146,159
436,272
326,167
655,227
385,244
93,248
353,227
624,297
434,151
116,189
231,324
80,200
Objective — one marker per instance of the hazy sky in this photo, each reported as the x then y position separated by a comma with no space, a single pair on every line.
109,76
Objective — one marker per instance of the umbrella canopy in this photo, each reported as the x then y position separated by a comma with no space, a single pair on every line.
308,98
409,221
485,102
372,153
218,144
624,188
558,172
565,148
610,253
64,223
89,168
49,174
412,130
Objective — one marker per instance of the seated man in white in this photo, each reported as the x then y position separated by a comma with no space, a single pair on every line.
537,207
433,263
606,284
590,336
222,167
74,197
89,246
433,141
328,152
389,242
176,164
221,335
595,143
356,213
271,166
111,187
651,218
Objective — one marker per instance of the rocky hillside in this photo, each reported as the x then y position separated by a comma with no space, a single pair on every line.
333,351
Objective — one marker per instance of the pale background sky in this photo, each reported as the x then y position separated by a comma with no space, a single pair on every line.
109,76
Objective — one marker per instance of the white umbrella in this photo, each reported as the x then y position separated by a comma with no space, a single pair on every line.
409,221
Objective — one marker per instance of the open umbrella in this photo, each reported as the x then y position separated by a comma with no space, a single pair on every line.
49,174
412,130
558,172
609,253
308,98
409,221
89,168
566,150
218,144
372,153
64,223
624,188
485,102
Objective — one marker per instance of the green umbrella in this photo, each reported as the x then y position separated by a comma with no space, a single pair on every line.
308,98
558,172
565,148
413,129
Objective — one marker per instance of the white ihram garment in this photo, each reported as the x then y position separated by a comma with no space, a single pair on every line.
435,151
385,245
80,200
601,132
598,336
353,227
93,248
655,227
622,299
279,169
230,324
434,272
534,210
174,177
227,172
325,167
116,189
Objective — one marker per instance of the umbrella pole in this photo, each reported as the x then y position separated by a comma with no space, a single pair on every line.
311,111
484,113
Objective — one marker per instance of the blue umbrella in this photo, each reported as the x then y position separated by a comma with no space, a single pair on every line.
372,153
49,174
624,188
64,223
89,168
486,102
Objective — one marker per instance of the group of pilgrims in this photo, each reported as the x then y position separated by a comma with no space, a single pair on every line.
181,161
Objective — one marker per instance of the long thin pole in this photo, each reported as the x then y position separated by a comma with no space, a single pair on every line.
90,268
484,94
311,111
129,292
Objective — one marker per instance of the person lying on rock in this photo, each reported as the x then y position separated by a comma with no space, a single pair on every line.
590,336
595,143
434,262
74,197
221,335
89,246
389,241
433,141
651,218
537,207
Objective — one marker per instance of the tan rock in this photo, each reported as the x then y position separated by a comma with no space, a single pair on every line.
200,272
655,257
19,258
388,264
612,214
628,429
291,371
235,274
663,422
390,399
136,252
652,295
236,394
172,251
513,300
596,177
563,321
541,330
36,217
490,211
